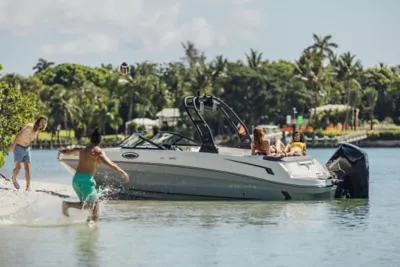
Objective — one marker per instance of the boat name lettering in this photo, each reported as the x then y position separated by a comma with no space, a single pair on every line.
242,186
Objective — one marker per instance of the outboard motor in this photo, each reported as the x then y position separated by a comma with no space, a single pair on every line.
350,167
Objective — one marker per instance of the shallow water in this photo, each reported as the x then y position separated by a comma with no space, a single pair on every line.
151,233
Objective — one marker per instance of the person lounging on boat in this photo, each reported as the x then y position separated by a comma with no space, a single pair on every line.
298,146
259,146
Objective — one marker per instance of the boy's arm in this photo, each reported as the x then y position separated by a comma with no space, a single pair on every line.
104,159
69,151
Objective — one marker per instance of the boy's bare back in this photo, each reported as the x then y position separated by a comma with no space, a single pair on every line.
91,156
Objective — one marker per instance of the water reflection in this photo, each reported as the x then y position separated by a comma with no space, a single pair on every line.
349,213
207,214
204,214
86,246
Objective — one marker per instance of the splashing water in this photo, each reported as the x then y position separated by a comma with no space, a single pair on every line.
36,208
42,206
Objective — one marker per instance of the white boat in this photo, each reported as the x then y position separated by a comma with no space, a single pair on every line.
171,166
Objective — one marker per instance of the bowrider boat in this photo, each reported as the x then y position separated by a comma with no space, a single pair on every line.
171,166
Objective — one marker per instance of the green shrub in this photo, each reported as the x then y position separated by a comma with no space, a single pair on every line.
148,136
328,133
132,127
17,109
384,135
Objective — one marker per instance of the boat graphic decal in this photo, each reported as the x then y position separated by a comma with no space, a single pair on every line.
130,155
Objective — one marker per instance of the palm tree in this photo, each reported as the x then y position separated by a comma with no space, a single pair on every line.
138,87
192,55
396,70
112,116
372,96
309,69
348,70
354,101
218,68
107,67
380,78
323,45
42,65
13,80
254,60
63,107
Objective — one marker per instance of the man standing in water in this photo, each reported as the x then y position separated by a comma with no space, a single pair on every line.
22,150
83,181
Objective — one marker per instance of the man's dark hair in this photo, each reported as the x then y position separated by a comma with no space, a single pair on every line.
95,138
37,122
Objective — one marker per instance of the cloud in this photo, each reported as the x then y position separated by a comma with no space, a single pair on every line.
248,17
92,43
238,2
98,26
246,21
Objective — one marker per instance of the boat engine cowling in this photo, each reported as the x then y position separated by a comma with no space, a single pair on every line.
349,167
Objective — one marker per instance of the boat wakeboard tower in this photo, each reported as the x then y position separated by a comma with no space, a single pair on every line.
195,105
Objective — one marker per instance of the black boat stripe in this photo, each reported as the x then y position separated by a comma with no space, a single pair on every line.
251,164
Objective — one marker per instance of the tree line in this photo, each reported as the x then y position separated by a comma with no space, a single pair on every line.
259,90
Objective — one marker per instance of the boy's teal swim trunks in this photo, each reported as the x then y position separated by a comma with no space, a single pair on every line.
85,187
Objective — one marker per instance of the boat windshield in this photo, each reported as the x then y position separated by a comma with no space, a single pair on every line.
169,138
132,140
136,140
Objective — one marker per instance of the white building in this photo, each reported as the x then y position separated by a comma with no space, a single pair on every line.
169,115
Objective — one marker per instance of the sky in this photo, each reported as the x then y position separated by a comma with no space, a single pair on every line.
91,32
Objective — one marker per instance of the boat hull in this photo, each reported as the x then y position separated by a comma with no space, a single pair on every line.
172,182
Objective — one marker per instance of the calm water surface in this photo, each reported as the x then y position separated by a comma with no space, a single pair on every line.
151,233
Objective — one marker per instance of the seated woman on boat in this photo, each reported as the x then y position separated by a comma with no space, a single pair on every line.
298,146
259,146
278,149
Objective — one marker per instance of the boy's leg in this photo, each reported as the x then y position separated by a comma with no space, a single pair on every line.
27,174
79,206
93,203
27,162
88,196
18,157
66,205
16,170
95,213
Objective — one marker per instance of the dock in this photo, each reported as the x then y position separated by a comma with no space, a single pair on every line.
352,137
336,140
56,145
